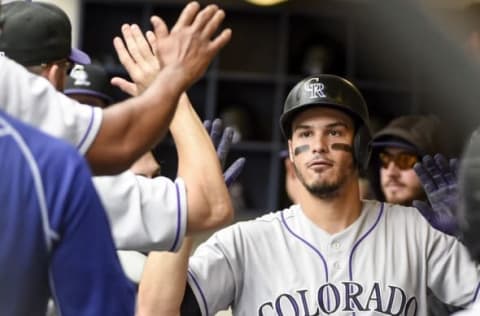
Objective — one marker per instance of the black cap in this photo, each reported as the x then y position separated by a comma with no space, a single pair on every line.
89,80
37,33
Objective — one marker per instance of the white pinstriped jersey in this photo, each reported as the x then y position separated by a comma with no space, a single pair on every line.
33,100
283,264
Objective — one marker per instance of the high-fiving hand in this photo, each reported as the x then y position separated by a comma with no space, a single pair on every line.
439,180
186,50
222,142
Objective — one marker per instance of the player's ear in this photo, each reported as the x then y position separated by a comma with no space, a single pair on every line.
56,76
50,72
290,150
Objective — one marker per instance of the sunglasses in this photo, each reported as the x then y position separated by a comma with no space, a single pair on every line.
403,161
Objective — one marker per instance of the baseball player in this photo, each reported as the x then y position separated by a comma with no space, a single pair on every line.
55,236
114,138
330,254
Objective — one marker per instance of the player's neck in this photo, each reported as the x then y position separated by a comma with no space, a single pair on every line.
335,213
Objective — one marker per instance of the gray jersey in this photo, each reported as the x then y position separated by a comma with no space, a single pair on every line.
33,100
283,264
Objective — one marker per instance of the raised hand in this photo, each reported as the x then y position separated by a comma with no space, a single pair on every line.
137,55
189,48
222,142
439,180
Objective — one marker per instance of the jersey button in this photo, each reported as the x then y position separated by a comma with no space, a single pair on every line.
336,245
336,265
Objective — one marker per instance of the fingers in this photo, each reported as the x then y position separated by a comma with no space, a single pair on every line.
445,169
434,171
224,145
142,46
213,24
130,41
125,85
208,125
187,16
123,55
234,171
152,41
138,47
424,177
221,40
189,47
216,132
160,29
204,17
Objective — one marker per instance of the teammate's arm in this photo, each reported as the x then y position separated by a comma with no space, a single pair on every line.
130,128
162,286
211,278
208,201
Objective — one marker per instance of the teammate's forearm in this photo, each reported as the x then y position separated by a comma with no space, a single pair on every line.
209,204
163,282
131,128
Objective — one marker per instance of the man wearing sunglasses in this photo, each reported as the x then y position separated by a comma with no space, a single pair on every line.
396,149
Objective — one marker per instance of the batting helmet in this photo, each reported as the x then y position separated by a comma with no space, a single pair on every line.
469,187
334,92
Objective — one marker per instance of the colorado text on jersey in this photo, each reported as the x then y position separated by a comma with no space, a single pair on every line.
347,297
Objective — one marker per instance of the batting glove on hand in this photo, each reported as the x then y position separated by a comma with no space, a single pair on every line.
222,142
439,180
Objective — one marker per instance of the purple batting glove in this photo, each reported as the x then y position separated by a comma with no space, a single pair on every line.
222,140
439,180
234,171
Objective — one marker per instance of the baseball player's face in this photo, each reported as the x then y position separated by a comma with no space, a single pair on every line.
400,184
321,150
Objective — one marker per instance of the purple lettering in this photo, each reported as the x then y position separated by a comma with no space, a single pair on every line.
305,304
291,300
